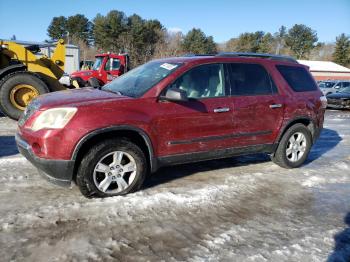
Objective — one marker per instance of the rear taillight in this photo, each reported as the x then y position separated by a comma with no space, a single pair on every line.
323,101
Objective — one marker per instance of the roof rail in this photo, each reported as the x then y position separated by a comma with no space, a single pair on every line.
258,55
194,55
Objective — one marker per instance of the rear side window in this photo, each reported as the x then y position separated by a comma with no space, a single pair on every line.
297,78
250,79
346,84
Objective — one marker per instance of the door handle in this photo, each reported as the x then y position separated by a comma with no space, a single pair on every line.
221,110
275,106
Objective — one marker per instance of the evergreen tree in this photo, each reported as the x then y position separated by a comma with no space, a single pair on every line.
197,42
257,42
99,31
79,27
341,53
116,32
301,40
265,44
57,28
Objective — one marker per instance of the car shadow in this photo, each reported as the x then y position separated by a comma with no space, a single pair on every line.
167,174
8,146
328,139
341,252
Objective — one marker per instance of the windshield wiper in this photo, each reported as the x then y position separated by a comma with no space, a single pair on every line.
111,91
118,93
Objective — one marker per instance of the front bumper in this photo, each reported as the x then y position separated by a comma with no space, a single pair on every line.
59,172
338,103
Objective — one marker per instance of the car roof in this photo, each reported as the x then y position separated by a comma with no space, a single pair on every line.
230,57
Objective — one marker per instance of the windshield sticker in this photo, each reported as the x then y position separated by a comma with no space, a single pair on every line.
168,66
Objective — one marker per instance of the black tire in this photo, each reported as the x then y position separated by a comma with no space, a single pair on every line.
81,83
85,178
12,80
93,82
280,156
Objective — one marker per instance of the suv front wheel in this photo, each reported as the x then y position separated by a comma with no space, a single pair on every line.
112,168
294,147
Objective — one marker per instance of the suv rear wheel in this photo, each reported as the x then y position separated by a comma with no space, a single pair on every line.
112,168
294,147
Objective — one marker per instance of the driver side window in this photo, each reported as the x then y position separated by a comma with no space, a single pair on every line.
112,64
204,81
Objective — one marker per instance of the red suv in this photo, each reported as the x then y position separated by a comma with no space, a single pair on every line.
173,111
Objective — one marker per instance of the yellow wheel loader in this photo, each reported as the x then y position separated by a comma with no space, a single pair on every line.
24,76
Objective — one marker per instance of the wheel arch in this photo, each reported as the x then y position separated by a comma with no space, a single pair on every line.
305,120
135,134
11,69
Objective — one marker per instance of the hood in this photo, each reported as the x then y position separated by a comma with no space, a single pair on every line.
76,97
339,95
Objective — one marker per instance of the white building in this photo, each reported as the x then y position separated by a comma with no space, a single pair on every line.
326,70
72,53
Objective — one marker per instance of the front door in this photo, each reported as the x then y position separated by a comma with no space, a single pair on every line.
204,122
111,69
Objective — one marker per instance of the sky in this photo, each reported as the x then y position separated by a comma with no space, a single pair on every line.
222,19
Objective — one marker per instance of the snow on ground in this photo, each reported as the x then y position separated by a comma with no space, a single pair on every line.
235,209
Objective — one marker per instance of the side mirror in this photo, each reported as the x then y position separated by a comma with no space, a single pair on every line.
175,94
337,87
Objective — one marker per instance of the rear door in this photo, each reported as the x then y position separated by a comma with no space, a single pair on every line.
257,105
201,124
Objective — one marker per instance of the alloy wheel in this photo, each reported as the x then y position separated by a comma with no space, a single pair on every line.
115,172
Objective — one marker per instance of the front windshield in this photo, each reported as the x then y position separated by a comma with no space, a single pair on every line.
345,90
326,84
139,80
98,63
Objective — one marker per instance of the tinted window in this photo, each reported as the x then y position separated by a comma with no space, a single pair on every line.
337,85
346,84
297,78
203,81
326,84
114,62
345,90
250,79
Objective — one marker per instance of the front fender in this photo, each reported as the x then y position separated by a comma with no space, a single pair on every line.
142,133
12,68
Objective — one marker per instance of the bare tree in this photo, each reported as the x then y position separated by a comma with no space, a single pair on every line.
170,45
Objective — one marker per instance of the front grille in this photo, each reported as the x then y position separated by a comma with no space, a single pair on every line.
333,101
28,112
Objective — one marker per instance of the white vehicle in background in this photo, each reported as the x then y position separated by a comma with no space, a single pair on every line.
333,86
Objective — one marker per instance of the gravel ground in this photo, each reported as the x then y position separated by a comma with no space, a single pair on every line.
235,209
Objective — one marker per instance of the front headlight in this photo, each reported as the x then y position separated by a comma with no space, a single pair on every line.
324,101
54,118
